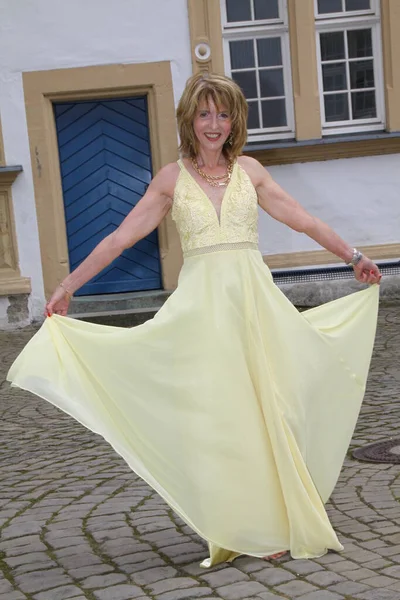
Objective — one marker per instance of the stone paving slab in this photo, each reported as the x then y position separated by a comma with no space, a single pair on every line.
77,524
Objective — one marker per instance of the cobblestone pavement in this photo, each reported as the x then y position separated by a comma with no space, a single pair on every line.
76,523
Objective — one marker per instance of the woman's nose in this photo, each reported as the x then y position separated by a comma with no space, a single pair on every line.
214,121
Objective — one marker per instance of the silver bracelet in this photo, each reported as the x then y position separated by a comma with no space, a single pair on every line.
357,256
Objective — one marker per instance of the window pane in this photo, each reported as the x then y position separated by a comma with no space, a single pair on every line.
336,107
273,113
329,6
334,77
271,83
269,52
363,105
247,81
362,74
360,43
253,121
265,9
242,54
358,4
332,45
238,10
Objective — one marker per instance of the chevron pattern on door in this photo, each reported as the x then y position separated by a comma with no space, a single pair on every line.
105,160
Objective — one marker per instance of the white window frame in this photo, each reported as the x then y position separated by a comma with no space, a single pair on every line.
332,22
246,30
282,4
351,14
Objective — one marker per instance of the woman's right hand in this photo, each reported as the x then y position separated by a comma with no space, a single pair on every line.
58,303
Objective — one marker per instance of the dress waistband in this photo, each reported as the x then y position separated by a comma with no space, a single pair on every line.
220,248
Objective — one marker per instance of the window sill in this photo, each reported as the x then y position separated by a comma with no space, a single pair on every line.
327,148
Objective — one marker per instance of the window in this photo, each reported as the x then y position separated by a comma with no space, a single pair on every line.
256,51
350,69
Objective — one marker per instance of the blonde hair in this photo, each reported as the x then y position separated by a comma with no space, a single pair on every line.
223,91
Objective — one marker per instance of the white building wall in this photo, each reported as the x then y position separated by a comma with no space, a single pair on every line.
358,197
54,34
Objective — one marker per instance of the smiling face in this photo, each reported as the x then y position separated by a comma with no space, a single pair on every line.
212,125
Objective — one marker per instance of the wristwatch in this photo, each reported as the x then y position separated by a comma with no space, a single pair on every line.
357,256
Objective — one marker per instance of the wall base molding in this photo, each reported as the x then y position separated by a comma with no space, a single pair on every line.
14,284
323,257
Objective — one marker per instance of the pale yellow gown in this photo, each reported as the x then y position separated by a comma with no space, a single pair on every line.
236,408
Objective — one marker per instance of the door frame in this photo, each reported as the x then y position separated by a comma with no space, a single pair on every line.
41,89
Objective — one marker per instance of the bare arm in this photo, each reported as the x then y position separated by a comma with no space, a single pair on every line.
282,207
142,220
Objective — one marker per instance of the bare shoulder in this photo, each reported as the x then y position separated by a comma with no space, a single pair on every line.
248,162
253,168
166,178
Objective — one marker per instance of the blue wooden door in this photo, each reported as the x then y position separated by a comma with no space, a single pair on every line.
105,160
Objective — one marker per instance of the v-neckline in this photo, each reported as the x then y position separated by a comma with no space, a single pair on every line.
218,217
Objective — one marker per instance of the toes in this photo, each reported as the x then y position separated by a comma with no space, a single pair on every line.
275,556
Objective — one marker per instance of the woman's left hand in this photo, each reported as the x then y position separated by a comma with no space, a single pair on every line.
367,271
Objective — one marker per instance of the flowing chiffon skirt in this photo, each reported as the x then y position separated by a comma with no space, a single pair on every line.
236,408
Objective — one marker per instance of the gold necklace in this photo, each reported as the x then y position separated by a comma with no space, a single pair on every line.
214,180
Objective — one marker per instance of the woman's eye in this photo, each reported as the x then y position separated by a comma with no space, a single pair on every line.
224,116
203,114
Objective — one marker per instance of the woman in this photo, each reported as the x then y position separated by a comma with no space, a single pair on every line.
231,404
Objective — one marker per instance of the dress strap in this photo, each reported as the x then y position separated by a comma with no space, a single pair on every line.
181,165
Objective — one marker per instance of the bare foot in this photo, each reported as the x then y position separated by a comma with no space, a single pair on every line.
275,556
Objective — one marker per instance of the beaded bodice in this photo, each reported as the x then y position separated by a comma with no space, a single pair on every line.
197,220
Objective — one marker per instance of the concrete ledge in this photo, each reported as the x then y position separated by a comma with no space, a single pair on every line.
117,303
120,318
313,293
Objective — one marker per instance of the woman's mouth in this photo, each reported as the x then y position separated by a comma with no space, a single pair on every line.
212,137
